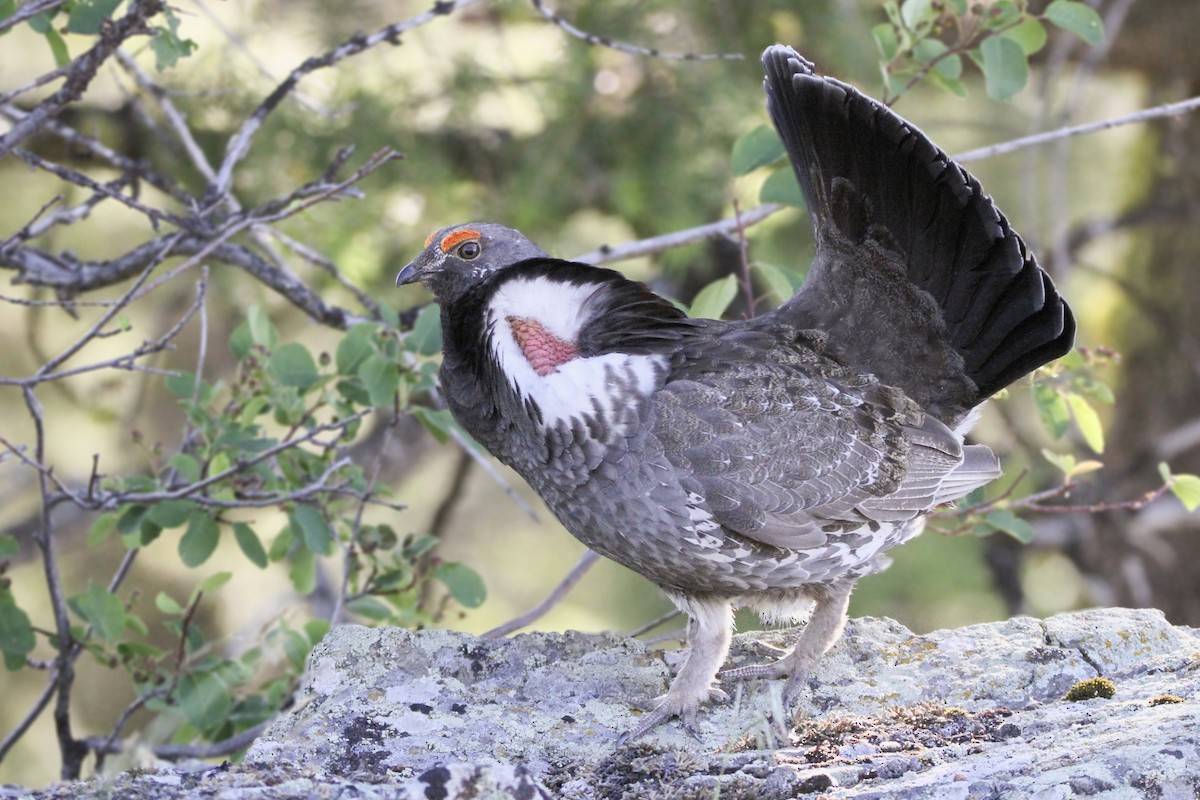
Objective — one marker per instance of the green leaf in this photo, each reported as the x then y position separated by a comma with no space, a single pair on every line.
712,301
885,40
438,422
303,573
181,384
58,47
355,346
780,282
250,544
464,583
281,545
1094,389
187,467
1064,461
1010,523
1005,67
369,608
167,44
1055,413
1030,34
783,188
315,630
204,699
1001,13
102,609
9,546
88,16
171,513
296,646
755,149
425,338
262,332
293,365
241,341
953,86
16,632
1164,469
1079,19
917,12
200,539
167,605
381,378
1088,422
1187,489
210,584
313,527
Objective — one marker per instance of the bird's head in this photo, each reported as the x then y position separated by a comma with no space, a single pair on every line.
459,257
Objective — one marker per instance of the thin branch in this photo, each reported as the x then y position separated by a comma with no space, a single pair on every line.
608,254
177,752
239,143
30,717
175,118
1157,112
83,68
577,572
654,623
30,9
745,278
94,147
109,190
637,50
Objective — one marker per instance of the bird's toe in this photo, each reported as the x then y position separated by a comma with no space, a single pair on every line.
776,669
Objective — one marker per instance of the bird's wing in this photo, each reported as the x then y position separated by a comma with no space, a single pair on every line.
783,446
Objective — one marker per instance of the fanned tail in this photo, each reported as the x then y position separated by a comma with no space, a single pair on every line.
918,278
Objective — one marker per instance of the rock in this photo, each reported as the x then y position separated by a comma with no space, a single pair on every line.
971,713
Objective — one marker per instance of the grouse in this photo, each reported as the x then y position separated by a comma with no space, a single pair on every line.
766,462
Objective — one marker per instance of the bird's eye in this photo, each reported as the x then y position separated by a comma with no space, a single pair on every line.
469,250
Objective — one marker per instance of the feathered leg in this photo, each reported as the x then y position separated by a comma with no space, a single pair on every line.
824,627
710,629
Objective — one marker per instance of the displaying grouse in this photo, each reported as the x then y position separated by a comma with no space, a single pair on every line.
766,462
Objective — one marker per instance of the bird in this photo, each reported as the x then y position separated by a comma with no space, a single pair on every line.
768,462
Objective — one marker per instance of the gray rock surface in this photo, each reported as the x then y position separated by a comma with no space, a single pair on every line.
976,712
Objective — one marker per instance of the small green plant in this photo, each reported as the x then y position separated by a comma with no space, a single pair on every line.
1091,689
926,40
270,443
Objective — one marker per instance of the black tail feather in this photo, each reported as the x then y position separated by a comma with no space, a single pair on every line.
998,314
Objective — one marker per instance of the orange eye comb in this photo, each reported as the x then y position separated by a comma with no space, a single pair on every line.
457,237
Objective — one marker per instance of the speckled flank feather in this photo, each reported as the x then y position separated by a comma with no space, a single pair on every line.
769,462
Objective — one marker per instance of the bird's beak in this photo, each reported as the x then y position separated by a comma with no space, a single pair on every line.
409,274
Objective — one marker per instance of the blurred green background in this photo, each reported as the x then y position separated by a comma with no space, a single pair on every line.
502,116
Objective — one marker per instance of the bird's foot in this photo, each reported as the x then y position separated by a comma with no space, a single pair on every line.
664,707
790,667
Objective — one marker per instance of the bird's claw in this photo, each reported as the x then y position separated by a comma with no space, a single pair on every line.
663,708
796,675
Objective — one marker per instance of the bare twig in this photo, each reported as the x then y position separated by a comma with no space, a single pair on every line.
745,278
1157,112
608,254
638,50
83,69
28,10
239,143
578,571
31,716
654,623
178,752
